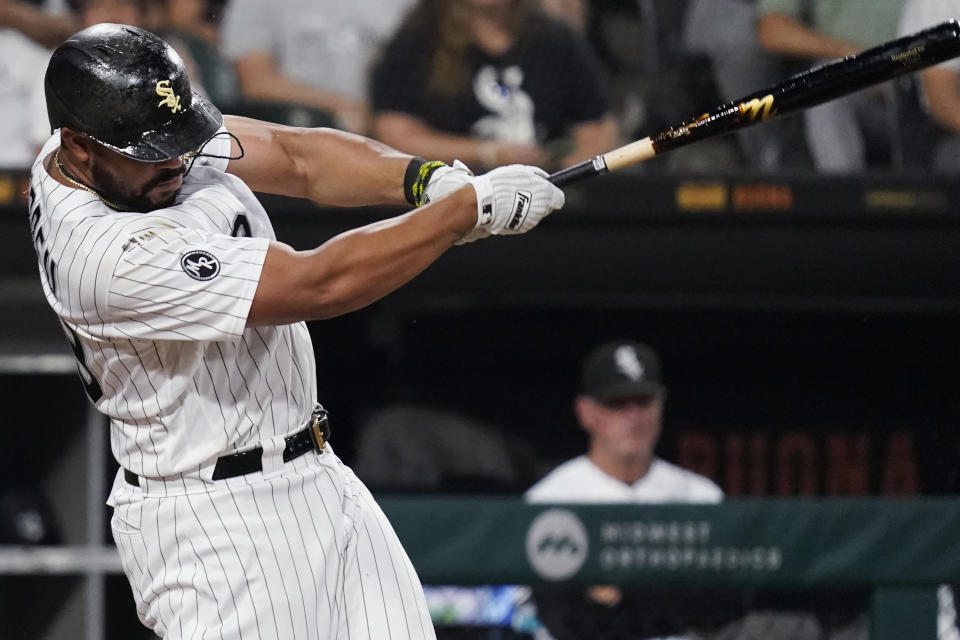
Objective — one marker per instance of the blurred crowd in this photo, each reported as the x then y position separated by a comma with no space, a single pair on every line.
545,82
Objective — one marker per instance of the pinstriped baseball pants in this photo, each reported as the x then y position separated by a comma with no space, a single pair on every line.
302,552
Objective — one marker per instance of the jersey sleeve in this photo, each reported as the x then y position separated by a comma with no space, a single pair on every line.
216,152
555,486
183,284
705,491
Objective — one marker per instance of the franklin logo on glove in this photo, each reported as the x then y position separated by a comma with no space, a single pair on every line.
520,204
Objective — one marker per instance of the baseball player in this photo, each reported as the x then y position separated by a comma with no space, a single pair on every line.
232,514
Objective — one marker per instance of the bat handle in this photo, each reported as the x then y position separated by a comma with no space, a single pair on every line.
586,169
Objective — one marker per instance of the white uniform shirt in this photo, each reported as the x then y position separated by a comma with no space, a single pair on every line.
155,306
581,481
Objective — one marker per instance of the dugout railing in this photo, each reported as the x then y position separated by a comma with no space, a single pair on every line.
899,549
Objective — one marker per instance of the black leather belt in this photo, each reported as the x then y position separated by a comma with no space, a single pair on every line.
313,437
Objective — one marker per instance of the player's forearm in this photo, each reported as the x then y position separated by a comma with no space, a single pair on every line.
327,166
344,169
358,267
781,34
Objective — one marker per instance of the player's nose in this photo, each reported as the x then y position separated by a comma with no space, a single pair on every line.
172,163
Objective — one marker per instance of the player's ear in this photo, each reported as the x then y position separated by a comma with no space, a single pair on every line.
76,144
584,408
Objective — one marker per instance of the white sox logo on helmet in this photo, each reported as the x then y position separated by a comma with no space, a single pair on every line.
170,99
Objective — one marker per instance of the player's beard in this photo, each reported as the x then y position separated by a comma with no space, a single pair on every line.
127,199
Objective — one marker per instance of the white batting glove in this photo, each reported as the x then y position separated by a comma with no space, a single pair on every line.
511,200
446,180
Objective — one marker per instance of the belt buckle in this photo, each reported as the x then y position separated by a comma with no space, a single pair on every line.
320,426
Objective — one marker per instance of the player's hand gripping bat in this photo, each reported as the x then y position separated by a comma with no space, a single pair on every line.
810,88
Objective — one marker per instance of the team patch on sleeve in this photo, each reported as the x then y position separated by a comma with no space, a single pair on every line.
200,265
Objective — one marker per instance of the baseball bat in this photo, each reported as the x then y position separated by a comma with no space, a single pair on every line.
801,91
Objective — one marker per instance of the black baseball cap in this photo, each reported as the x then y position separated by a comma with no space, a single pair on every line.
621,369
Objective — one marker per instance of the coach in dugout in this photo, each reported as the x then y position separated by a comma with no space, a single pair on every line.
620,406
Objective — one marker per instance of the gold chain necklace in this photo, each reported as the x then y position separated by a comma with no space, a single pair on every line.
80,185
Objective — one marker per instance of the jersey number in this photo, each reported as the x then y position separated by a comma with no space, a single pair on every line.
90,384
39,243
241,227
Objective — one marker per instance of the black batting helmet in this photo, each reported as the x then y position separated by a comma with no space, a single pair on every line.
128,90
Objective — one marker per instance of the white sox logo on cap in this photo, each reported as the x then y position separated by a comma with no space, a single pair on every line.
200,265
628,362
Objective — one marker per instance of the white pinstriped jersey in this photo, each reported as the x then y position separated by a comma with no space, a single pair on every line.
155,305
